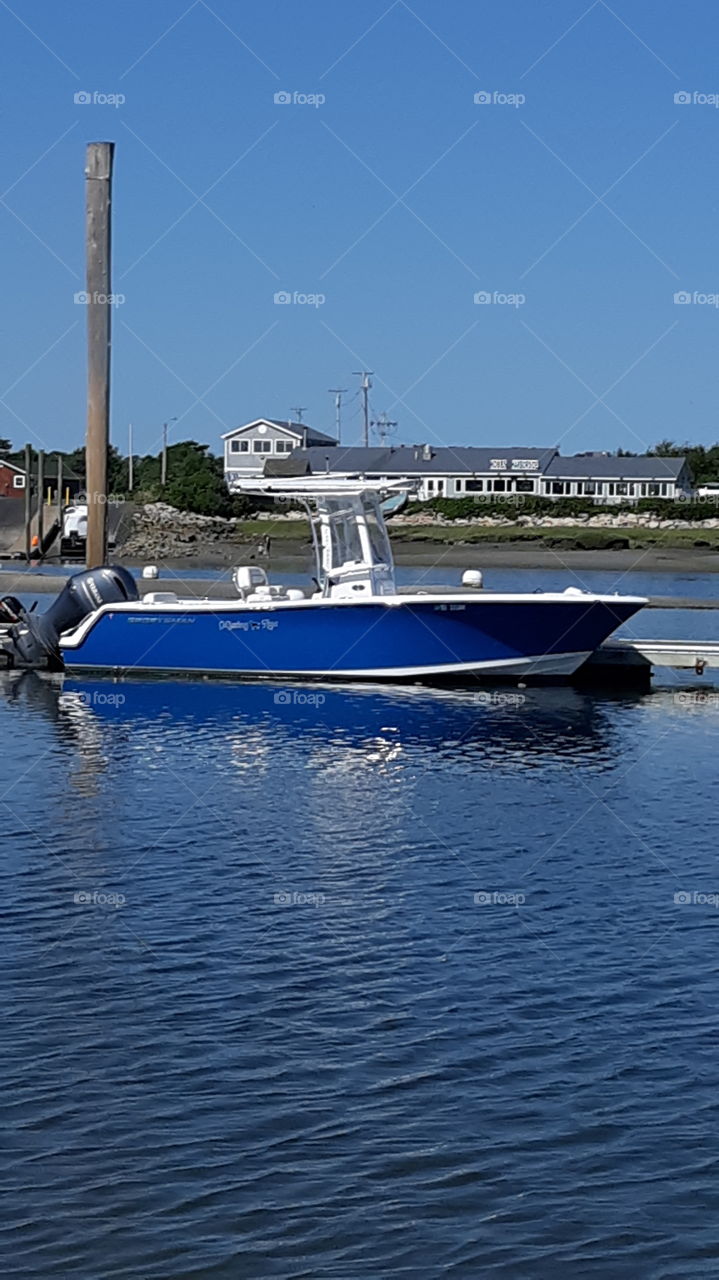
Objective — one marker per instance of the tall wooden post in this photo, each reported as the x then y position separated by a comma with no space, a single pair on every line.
28,502
98,192
58,495
40,498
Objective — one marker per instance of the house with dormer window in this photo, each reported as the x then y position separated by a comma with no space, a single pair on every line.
248,448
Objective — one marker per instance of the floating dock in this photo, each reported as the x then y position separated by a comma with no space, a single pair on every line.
630,663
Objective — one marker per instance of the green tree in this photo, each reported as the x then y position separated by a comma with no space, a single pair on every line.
195,480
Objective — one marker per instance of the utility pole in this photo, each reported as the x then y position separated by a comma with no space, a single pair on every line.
338,393
130,459
365,385
163,461
98,205
299,410
384,427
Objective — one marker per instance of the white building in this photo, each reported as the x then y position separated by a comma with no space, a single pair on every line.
247,448
444,472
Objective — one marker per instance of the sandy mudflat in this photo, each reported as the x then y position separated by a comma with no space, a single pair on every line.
488,555
491,556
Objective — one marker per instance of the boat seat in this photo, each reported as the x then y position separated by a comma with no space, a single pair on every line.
160,597
267,592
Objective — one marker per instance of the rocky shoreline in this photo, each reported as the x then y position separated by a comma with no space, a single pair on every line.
623,520
160,532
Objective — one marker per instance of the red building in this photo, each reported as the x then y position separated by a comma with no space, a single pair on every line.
12,480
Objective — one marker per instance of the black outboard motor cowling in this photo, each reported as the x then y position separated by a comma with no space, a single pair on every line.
32,641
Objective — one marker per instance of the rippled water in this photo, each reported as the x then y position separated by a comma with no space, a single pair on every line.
357,983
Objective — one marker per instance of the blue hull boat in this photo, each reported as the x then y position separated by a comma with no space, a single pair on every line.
391,638
354,626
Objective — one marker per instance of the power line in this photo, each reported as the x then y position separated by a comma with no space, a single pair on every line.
384,427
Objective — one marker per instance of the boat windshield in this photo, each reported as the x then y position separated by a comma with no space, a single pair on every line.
343,545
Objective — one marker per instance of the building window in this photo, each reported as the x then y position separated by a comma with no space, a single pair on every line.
239,446
18,482
475,486
524,486
621,490
557,487
500,486
430,486
262,446
458,486
284,446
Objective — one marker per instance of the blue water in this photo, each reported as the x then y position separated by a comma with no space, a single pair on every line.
317,982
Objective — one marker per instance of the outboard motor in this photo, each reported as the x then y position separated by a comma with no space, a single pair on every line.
32,638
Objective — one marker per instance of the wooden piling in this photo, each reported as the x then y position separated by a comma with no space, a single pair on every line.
98,190
40,497
58,493
28,502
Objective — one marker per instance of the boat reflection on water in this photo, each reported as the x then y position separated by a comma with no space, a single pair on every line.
358,723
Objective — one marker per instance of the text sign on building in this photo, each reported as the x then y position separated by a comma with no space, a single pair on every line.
517,464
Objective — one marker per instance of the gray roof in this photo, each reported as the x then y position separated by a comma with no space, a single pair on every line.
601,467
298,429
408,460
405,460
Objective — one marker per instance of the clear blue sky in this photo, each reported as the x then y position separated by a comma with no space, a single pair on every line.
397,199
